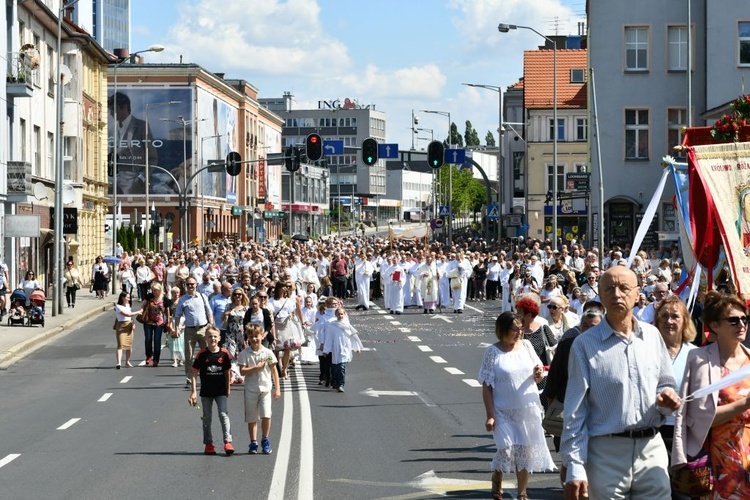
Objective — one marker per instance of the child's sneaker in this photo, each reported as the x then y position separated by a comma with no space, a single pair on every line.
228,448
265,445
210,449
253,450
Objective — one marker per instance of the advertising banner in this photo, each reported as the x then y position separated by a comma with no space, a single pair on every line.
724,172
219,135
165,142
261,180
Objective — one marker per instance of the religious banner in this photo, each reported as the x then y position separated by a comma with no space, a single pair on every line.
724,174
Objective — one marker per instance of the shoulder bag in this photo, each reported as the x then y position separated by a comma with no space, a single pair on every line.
142,316
553,418
695,478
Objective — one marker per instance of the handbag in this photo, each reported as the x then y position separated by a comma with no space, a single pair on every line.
549,350
142,316
77,286
553,418
695,478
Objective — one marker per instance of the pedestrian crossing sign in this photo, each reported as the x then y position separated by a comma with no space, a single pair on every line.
493,211
444,211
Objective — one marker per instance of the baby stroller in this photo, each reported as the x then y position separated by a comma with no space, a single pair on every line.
37,299
17,313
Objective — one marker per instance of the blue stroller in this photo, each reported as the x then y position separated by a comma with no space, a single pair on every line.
17,313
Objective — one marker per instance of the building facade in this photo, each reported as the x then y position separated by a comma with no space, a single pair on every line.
108,21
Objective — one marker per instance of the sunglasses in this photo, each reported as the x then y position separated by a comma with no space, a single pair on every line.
552,307
736,320
236,295
189,284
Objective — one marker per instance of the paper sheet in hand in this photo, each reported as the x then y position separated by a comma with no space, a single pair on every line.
730,379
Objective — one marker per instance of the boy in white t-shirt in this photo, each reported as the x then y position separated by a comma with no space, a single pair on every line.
258,366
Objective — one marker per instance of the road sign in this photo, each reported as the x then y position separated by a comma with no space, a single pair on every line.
333,147
444,211
524,227
439,223
493,211
455,156
388,151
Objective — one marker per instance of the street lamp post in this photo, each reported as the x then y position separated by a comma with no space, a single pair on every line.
450,171
116,147
500,176
147,225
504,28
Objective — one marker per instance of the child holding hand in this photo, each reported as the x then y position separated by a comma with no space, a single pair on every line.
258,366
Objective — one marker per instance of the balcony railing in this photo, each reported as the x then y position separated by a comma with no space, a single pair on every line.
21,68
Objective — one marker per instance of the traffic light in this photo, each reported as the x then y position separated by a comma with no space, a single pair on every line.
370,151
314,147
233,163
296,158
289,159
436,154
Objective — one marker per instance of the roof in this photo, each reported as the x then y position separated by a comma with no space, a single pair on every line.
538,81
517,85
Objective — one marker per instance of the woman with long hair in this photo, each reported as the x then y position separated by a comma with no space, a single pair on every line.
124,328
157,317
285,307
232,322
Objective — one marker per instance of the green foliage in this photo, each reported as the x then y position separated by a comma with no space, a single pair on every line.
471,136
489,139
456,140
469,194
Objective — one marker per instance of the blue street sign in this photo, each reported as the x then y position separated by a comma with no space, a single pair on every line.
444,211
455,156
388,151
524,227
493,211
333,147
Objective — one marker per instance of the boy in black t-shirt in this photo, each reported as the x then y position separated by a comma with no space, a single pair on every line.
214,366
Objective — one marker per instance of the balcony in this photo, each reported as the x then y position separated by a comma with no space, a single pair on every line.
21,66
19,178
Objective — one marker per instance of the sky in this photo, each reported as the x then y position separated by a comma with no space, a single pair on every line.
398,55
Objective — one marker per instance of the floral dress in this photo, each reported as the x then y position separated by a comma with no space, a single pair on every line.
730,446
235,342
518,433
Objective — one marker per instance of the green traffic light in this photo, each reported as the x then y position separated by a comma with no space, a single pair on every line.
369,159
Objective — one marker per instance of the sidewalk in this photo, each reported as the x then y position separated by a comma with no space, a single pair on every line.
18,341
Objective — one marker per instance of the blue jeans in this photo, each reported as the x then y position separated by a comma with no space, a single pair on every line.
153,340
221,406
338,374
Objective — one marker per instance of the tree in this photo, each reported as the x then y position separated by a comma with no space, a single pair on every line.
471,136
455,140
489,139
469,194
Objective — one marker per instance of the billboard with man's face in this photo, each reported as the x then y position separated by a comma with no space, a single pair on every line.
164,144
218,134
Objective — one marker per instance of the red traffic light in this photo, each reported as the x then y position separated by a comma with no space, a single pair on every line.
314,147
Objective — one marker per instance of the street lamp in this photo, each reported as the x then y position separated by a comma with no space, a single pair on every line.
153,48
147,225
504,28
450,173
500,176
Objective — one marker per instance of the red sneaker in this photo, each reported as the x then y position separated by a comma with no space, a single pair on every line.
210,450
228,448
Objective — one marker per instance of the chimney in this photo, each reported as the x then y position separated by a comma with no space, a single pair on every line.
122,54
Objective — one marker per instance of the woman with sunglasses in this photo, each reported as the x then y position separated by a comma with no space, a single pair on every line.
560,320
232,322
29,284
718,422
100,274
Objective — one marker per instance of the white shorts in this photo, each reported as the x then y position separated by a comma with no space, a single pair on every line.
257,405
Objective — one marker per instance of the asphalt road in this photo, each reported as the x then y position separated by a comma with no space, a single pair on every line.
410,424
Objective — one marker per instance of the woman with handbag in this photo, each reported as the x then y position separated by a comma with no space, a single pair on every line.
715,428
536,332
156,318
175,341
509,373
124,328
285,307
73,283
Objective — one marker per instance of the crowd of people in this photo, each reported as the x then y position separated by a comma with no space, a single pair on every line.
606,337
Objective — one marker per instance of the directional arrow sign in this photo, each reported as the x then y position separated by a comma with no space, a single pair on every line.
455,156
376,394
333,147
388,151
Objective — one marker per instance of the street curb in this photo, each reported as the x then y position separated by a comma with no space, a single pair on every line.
11,356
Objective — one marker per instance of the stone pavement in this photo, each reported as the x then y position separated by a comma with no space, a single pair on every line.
18,341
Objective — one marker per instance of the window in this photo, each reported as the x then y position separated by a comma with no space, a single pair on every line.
560,129
677,52
636,134
669,219
676,119
636,49
51,151
519,181
51,70
581,129
560,178
744,42
36,151
577,76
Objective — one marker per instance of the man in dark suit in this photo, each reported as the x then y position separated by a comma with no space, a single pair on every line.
131,147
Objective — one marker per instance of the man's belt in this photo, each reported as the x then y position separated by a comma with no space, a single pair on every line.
637,434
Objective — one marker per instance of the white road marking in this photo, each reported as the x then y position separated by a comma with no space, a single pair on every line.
438,359
388,317
374,306
405,330
380,311
283,447
473,308
105,397
5,461
424,348
472,382
414,339
484,344
305,489
376,394
444,318
395,323
453,371
68,424
142,363
126,379
369,349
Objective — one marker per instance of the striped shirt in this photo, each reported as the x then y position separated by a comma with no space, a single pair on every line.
612,387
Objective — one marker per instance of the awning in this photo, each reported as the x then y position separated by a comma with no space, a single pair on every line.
46,236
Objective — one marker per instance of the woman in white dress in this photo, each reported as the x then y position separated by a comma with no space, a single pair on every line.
288,338
509,374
